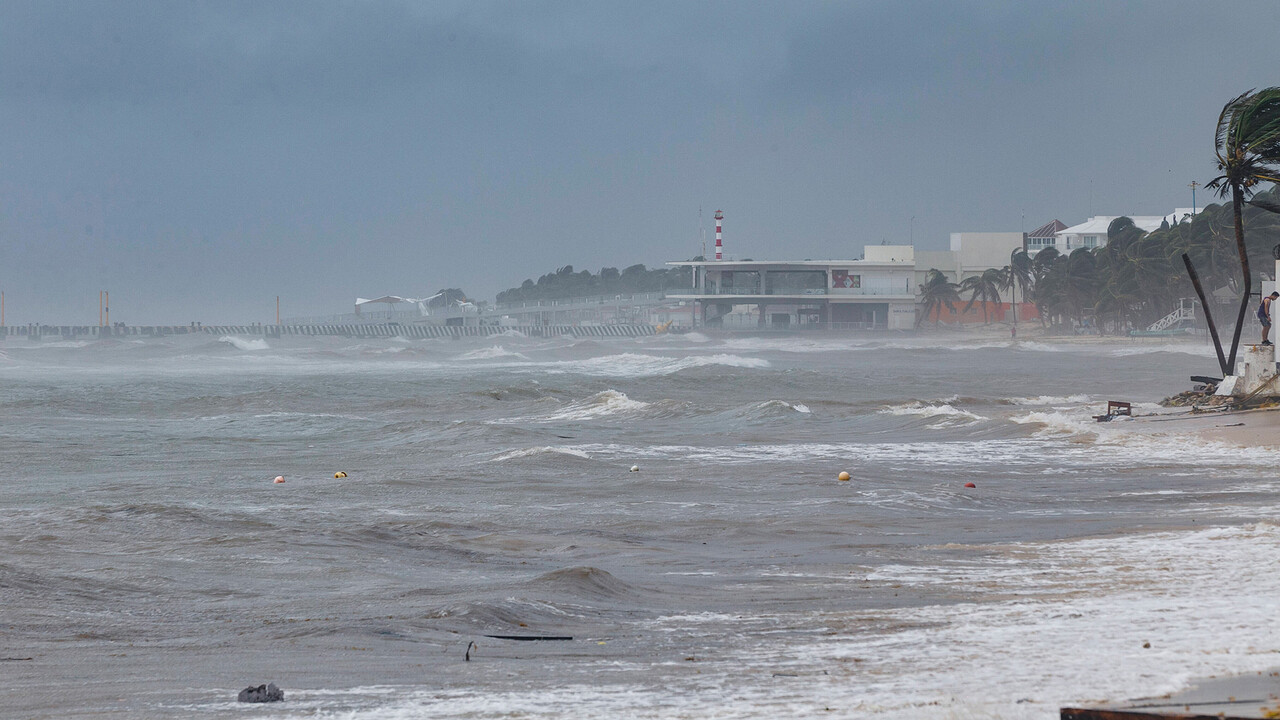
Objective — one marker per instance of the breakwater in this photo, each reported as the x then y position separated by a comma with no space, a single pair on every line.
357,330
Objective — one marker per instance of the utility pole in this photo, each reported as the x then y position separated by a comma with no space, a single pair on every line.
1193,187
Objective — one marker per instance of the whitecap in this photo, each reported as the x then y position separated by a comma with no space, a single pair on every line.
602,404
538,451
491,353
243,344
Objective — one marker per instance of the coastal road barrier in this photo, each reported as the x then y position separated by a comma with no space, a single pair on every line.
353,330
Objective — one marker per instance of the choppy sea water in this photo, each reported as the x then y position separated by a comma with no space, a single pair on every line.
149,567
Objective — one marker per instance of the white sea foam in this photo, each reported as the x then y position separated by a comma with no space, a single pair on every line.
243,344
927,410
1111,595
1052,400
1016,655
781,405
1119,348
491,353
57,344
602,404
789,344
1058,454
640,365
1058,423
540,451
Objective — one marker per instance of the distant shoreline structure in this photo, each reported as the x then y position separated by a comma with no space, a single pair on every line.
357,330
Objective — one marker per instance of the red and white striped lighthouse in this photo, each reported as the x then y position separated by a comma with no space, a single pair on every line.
719,240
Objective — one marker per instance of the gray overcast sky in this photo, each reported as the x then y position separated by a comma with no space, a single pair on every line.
198,159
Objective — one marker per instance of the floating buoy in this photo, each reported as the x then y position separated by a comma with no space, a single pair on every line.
279,479
970,485
635,468
844,475
339,474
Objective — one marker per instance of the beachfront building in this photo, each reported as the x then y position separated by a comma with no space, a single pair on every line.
971,253
1045,236
1092,233
876,292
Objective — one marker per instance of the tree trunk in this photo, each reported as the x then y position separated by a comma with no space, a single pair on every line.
1237,209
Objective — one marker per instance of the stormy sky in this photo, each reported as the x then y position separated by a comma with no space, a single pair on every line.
199,159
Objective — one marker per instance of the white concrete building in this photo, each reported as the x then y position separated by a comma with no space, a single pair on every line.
971,253
1093,232
876,292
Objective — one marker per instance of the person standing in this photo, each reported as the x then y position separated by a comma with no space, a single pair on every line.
1264,315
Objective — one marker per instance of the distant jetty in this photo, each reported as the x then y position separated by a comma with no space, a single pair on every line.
355,330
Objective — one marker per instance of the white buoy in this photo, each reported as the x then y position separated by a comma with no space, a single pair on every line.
635,468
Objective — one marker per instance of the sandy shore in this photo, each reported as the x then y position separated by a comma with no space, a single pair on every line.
1242,428
1255,695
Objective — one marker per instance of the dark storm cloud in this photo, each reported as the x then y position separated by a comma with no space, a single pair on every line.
200,158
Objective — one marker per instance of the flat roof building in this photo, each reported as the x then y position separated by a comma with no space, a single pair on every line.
875,292
1092,233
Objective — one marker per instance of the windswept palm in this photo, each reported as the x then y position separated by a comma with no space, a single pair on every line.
936,292
1248,148
1017,276
984,288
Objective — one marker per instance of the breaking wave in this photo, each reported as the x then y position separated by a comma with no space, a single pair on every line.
534,452
242,344
926,410
602,404
492,353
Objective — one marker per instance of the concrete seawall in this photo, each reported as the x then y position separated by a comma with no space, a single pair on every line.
367,330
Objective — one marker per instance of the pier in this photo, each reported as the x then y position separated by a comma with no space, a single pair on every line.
352,330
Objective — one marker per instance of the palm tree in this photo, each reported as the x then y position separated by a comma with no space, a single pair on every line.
984,287
1017,274
936,292
1248,148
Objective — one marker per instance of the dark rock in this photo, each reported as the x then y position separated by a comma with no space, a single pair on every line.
261,694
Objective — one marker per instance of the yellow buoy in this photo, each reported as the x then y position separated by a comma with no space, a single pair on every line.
339,474
844,475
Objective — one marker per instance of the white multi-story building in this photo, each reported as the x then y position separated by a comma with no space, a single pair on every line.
877,291
1093,232
970,254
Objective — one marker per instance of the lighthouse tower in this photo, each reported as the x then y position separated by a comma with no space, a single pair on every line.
719,240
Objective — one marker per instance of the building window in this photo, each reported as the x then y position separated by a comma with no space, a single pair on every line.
1091,241
842,279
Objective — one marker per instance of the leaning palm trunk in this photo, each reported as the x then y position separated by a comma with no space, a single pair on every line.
1248,149
1237,208
1208,316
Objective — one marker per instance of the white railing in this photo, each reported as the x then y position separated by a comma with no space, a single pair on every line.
1184,312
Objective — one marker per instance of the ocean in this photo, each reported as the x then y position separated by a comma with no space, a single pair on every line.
151,568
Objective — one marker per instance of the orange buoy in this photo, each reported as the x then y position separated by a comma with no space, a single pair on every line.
279,479
844,475
970,485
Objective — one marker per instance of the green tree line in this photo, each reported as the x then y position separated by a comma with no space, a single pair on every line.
564,283
1132,281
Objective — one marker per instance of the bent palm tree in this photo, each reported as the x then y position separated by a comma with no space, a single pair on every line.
984,288
1248,148
1017,275
936,292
